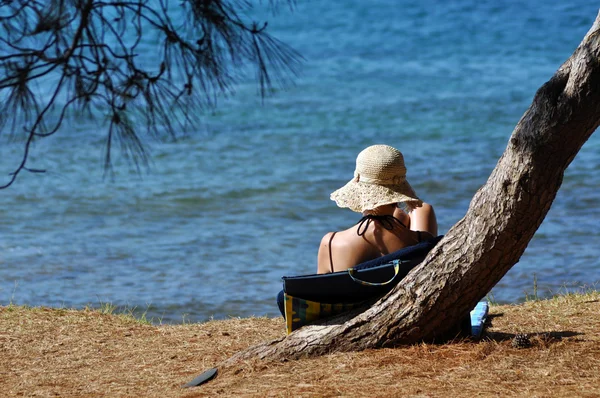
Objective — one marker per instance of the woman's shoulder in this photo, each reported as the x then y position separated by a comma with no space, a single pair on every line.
338,237
335,248
327,237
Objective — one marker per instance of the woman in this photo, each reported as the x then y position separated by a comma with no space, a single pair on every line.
393,216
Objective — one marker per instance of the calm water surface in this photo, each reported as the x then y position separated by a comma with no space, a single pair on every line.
226,211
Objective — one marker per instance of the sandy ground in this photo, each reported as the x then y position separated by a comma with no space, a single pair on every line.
60,352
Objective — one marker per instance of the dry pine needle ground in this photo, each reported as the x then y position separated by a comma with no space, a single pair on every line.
58,352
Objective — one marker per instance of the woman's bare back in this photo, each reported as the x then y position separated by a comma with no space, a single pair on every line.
345,249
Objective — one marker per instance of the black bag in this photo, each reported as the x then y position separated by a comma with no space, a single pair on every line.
365,281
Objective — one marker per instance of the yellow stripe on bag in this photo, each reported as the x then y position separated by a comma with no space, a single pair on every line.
300,312
289,313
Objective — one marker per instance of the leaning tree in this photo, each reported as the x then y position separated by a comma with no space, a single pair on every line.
146,66
480,249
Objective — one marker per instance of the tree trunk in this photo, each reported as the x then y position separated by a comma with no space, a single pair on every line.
480,249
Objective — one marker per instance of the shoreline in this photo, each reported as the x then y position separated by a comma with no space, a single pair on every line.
64,352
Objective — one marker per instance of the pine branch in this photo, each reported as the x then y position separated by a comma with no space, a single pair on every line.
91,50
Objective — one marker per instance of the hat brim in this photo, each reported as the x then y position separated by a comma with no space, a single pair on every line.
360,196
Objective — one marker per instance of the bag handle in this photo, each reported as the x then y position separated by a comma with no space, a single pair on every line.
352,271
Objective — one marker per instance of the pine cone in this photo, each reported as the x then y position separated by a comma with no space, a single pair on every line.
521,341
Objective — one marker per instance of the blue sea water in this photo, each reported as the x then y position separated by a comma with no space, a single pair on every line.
226,211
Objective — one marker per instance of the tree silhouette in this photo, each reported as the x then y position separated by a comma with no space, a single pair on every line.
147,66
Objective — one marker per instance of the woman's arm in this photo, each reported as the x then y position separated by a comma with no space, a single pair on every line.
423,219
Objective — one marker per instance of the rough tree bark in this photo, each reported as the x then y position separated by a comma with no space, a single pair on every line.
478,251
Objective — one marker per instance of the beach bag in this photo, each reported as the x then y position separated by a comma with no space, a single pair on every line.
308,298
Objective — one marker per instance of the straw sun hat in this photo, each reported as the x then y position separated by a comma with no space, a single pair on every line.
379,179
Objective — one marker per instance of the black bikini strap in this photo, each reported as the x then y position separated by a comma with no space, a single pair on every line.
386,221
330,255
